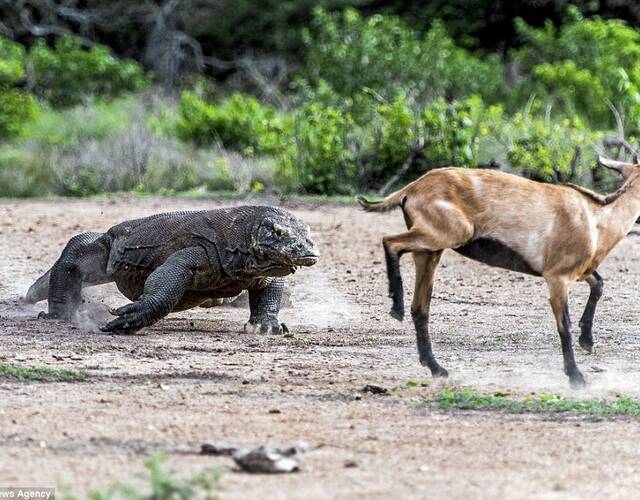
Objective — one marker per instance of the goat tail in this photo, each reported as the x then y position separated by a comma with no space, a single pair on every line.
394,200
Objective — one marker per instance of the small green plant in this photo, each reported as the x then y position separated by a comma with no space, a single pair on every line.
160,483
468,399
41,373
417,383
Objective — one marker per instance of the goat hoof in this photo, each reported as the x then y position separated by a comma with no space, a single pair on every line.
397,314
586,343
439,372
577,381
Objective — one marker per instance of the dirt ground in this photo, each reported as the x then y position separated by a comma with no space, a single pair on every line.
194,377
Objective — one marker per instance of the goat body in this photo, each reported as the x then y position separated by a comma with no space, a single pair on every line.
559,232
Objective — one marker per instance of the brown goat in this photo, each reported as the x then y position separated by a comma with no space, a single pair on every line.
559,232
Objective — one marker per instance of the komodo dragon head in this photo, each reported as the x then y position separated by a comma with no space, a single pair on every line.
284,243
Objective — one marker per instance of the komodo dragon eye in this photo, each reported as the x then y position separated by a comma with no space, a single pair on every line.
279,230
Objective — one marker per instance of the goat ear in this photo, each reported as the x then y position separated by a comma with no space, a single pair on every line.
621,167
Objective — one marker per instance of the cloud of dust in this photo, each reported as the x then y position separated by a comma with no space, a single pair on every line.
13,288
91,316
316,302
606,378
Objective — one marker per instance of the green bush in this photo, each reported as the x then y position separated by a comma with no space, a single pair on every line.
580,66
12,57
321,158
17,107
68,74
399,131
551,151
451,132
240,123
385,56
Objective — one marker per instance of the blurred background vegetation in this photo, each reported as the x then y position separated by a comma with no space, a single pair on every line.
330,97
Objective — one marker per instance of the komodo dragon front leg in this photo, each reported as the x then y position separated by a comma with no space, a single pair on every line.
265,306
163,289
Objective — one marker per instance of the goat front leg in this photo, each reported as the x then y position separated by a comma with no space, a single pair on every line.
265,306
586,322
426,263
558,299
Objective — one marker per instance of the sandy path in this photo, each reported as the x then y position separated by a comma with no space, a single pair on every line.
193,377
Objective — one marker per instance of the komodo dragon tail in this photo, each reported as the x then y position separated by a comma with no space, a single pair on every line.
394,200
39,290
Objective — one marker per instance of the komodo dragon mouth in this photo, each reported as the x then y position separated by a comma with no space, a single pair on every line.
306,260
290,268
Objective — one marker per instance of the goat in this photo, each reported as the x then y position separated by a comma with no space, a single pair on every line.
559,232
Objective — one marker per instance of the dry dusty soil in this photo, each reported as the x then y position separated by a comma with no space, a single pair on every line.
194,377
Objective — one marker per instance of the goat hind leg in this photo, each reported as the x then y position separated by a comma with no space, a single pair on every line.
396,289
558,299
586,322
426,264
394,247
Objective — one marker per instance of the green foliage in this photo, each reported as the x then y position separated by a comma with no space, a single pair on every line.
41,373
451,132
11,63
68,74
239,122
23,174
321,157
16,106
71,126
441,133
581,66
188,173
550,151
468,399
374,99
16,109
159,483
382,54
398,132
83,182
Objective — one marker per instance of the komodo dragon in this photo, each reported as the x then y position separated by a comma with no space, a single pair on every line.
176,261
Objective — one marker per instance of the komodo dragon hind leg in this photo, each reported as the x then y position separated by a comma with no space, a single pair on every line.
83,262
265,306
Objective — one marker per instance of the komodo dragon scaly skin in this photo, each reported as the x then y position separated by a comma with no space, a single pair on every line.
179,260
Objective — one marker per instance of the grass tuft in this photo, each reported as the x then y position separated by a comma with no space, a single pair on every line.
468,399
41,373
160,483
